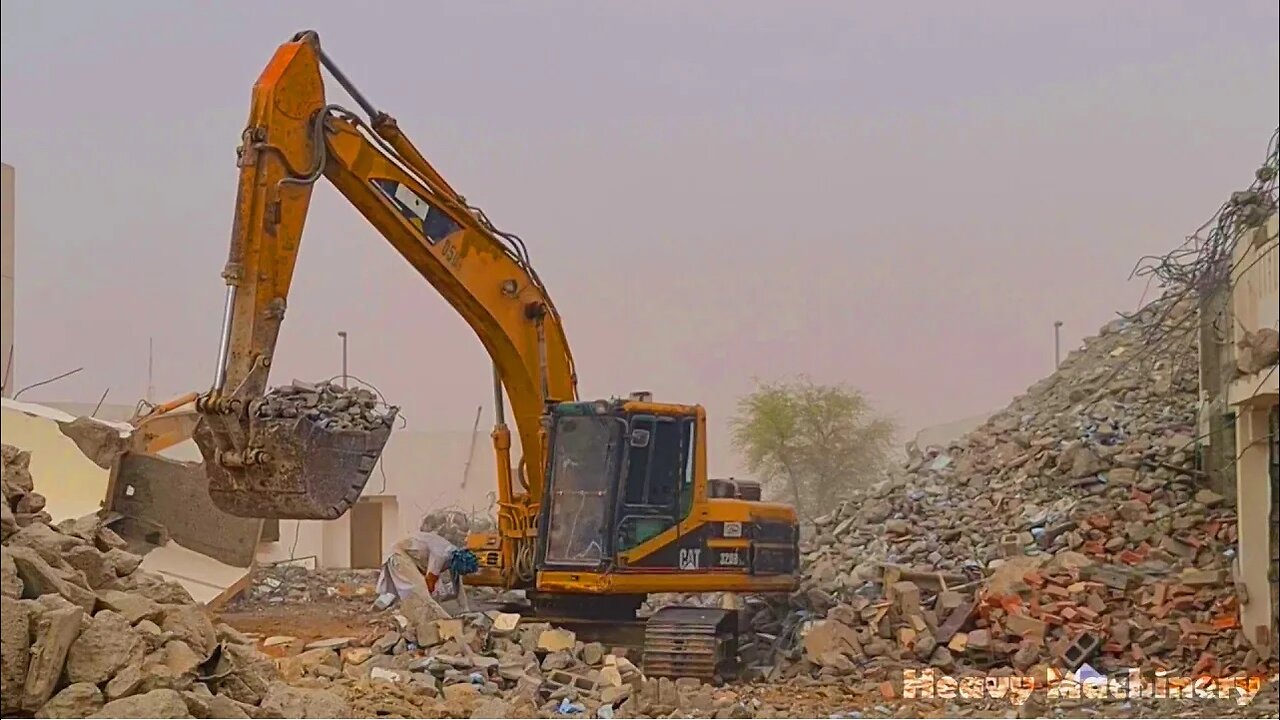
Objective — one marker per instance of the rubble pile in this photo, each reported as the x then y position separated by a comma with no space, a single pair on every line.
329,404
293,583
88,633
489,665
454,525
1071,528
1257,350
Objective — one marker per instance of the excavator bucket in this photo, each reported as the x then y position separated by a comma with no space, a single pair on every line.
301,469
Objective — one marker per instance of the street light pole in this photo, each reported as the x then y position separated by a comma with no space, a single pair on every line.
1057,344
343,334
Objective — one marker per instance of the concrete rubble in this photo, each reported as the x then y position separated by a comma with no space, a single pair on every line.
1071,528
329,404
87,633
455,525
488,665
288,584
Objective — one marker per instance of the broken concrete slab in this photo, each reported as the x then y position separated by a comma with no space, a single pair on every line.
294,702
106,645
155,704
56,630
15,649
77,700
125,683
190,624
99,441
10,583
505,623
39,578
174,495
830,636
132,606
556,640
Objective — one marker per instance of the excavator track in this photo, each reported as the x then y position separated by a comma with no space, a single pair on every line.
692,642
676,641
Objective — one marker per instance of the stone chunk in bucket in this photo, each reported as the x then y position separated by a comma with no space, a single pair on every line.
320,441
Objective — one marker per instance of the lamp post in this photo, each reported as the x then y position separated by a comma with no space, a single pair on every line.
1057,344
343,334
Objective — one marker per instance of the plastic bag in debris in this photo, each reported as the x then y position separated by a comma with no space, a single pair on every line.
568,707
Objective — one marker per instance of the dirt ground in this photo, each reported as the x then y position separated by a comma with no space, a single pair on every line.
307,623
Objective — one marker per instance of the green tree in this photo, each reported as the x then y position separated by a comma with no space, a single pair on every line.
812,443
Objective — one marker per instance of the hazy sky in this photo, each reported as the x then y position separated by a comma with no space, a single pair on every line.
900,196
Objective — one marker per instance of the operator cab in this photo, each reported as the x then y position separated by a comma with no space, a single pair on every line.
621,472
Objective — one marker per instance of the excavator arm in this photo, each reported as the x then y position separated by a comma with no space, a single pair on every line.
294,138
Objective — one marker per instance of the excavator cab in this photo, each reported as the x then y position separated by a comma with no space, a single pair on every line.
628,507
617,478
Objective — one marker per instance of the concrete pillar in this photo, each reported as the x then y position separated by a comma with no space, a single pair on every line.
1254,507
1217,368
335,546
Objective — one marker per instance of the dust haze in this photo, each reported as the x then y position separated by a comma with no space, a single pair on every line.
903,198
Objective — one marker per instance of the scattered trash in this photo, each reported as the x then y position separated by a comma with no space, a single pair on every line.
568,707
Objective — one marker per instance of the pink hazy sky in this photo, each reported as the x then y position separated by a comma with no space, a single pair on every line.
898,196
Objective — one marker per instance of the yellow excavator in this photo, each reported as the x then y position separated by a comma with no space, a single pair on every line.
610,501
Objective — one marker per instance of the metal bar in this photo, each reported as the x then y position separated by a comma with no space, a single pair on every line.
224,343
499,412
346,83
542,358
1057,344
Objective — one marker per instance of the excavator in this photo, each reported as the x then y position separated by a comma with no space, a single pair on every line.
610,501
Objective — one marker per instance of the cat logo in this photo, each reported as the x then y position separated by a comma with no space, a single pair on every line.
689,558
430,221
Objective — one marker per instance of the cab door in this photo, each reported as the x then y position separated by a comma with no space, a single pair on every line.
584,463
656,494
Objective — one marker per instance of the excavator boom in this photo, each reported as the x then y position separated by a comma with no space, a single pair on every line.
294,138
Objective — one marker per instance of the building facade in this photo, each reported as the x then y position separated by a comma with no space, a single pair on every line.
6,283
1253,396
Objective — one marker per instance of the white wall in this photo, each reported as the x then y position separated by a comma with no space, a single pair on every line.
1255,300
327,543
6,283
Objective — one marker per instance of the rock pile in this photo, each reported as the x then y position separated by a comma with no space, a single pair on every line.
1258,350
489,665
1072,527
330,405
454,525
87,633
286,584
